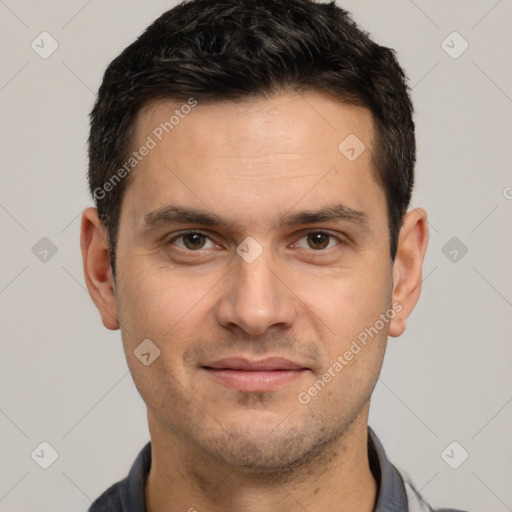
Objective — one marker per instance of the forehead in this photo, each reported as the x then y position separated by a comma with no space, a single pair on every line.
248,127
258,154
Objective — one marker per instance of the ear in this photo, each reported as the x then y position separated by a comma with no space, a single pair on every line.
407,268
97,271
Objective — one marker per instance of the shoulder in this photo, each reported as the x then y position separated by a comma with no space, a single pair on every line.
448,510
416,502
127,495
109,501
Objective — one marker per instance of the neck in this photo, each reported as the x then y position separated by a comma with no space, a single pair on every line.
337,478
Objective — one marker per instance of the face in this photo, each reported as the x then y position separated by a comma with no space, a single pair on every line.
255,256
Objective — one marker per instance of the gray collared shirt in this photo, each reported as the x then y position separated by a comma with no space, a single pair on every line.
395,493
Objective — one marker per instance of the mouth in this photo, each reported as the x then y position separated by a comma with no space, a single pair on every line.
252,375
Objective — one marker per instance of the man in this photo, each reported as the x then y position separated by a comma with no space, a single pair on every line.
252,164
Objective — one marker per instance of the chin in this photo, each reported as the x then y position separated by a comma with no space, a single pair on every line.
264,452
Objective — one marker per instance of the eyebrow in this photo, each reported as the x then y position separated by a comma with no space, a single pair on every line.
337,212
180,215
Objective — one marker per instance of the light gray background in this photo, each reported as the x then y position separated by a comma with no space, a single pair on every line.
64,378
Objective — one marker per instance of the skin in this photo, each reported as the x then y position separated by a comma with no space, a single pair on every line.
254,162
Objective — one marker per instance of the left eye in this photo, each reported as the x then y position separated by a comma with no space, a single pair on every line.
192,241
317,240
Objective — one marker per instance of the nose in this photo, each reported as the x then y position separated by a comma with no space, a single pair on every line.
256,298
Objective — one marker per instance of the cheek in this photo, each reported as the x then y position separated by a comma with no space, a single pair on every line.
140,306
162,305
349,303
151,308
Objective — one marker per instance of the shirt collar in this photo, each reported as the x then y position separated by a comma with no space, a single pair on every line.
391,494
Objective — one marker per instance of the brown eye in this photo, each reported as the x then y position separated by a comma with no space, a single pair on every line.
192,241
318,240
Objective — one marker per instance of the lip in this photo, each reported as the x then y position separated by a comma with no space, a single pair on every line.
251,375
241,363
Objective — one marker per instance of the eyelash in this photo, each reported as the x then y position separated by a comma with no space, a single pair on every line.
184,234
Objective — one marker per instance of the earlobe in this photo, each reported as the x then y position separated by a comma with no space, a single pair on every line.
408,266
96,265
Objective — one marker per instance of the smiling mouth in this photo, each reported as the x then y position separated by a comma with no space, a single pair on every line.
255,376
